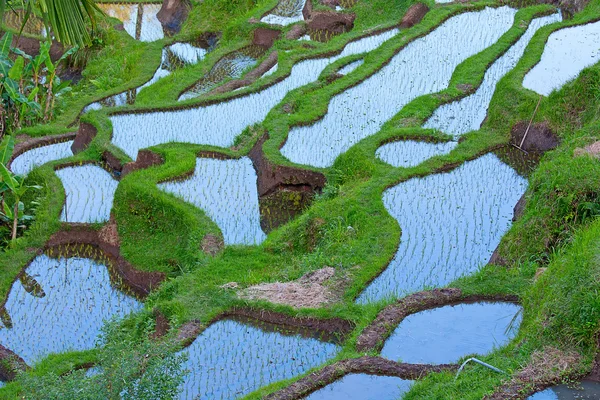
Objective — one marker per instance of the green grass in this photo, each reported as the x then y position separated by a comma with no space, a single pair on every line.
162,233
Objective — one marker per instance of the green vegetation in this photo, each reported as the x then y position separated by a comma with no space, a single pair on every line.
158,232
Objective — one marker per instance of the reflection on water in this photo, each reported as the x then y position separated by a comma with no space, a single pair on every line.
231,359
72,299
363,387
444,335
451,223
578,44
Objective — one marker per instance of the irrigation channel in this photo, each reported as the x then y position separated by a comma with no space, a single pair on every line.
452,220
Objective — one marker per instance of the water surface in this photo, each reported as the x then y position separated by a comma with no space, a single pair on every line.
76,296
444,335
578,45
585,390
27,161
409,153
451,223
231,359
285,13
363,387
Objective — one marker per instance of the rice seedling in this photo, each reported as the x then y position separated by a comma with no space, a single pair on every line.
226,191
424,66
578,44
363,387
230,359
451,223
219,124
285,13
24,163
78,298
469,113
409,153
90,191
446,334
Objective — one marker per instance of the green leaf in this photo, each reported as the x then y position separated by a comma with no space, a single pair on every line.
16,72
5,42
6,149
9,179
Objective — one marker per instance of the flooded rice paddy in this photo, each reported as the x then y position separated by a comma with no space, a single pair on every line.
232,66
139,20
363,387
90,191
424,66
410,153
219,124
285,13
469,113
231,359
451,223
585,390
345,70
174,57
24,163
226,190
61,306
446,334
578,44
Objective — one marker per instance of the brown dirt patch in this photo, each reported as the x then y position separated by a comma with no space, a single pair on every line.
296,32
330,23
373,337
265,37
145,159
85,135
546,367
540,138
308,291
365,365
414,15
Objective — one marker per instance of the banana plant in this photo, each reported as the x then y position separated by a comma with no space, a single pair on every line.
53,83
15,212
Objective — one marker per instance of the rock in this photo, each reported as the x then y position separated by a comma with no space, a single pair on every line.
265,37
592,150
172,14
112,161
414,15
32,47
85,135
540,137
332,22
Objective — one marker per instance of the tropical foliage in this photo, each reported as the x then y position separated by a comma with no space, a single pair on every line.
67,20
29,86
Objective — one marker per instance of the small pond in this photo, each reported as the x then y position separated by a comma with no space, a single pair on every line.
285,13
60,305
451,223
139,20
226,190
219,124
410,153
469,113
27,161
424,66
231,359
444,335
90,191
231,66
577,44
585,390
363,387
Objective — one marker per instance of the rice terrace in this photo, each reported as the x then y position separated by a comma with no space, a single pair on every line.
300,199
